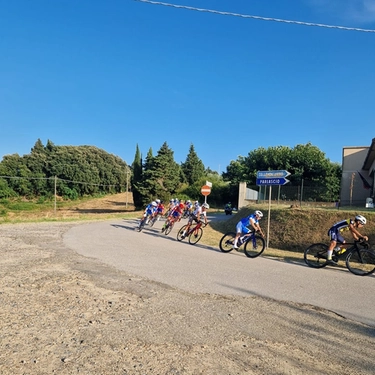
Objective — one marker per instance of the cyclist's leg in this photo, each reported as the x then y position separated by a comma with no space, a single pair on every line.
334,237
239,228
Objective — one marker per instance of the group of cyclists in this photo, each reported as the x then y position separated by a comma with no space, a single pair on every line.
196,212
175,210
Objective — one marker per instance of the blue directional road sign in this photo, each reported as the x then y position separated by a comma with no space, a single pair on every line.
271,181
268,178
273,174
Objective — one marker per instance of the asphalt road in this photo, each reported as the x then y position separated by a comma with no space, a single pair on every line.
204,269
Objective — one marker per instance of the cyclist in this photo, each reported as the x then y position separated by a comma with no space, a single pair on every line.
188,208
159,208
335,234
175,215
150,210
242,226
196,216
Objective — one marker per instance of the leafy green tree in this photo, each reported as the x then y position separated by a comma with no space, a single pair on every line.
193,167
80,170
305,163
17,172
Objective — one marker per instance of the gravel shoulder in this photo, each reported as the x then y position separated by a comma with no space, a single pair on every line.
66,314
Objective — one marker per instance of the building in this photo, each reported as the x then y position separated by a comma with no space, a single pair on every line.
358,176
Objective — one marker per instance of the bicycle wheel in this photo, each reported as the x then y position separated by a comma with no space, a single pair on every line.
361,262
168,228
316,255
152,221
141,224
179,234
254,246
195,236
226,242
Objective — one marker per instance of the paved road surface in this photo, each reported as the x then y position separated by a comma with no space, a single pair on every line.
204,269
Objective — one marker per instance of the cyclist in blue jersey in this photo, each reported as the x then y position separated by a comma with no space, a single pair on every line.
242,226
335,233
150,209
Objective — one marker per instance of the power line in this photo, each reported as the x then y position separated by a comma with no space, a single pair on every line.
256,17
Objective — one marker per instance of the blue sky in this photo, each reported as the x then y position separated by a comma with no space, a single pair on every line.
118,73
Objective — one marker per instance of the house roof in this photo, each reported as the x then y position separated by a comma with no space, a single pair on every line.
370,156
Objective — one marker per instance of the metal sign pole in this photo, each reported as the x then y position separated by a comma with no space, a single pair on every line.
269,217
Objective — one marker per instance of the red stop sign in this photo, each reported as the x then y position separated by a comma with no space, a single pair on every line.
205,190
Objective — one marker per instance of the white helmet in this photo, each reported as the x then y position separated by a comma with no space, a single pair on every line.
361,219
205,205
258,213
154,204
157,201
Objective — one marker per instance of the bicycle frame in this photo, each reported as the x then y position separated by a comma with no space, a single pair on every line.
194,228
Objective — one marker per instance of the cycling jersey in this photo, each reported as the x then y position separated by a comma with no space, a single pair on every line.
341,226
160,209
150,209
176,212
335,231
244,223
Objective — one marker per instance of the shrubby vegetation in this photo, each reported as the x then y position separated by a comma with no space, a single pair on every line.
77,171
306,163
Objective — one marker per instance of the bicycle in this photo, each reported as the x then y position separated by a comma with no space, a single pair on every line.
359,259
253,243
167,227
194,233
153,219
145,220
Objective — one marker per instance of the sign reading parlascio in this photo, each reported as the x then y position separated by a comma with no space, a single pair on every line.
269,178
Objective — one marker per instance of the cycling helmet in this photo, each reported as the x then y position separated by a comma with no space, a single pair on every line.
205,205
157,201
258,213
361,219
154,204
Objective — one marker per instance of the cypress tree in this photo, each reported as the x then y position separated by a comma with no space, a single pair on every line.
193,167
137,177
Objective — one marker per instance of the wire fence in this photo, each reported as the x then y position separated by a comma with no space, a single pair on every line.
60,187
305,196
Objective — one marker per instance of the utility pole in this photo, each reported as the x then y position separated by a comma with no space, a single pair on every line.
127,186
351,188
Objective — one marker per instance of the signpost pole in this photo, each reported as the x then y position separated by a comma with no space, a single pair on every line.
269,216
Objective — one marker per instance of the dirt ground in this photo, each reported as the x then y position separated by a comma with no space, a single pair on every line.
62,313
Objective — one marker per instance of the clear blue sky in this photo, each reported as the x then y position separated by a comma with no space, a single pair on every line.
117,73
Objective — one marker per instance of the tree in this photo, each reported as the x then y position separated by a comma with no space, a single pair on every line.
305,163
193,167
137,177
80,170
161,178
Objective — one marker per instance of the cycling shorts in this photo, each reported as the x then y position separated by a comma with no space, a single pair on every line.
240,228
335,235
192,218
